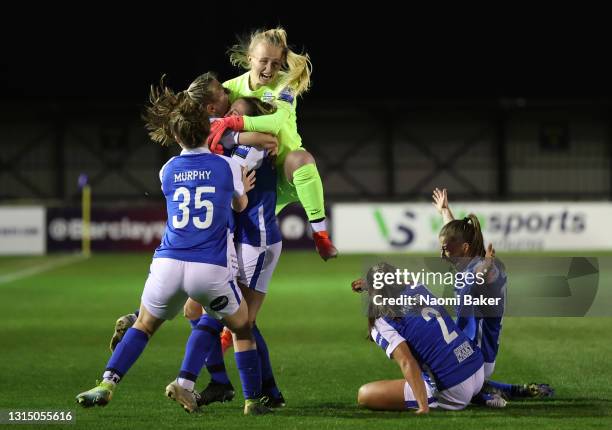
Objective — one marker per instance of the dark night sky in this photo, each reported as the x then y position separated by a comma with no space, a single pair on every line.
115,53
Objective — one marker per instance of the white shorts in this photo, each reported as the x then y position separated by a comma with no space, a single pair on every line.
171,282
232,259
454,398
410,399
489,368
459,396
256,264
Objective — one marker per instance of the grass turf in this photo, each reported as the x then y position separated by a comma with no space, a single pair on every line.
56,326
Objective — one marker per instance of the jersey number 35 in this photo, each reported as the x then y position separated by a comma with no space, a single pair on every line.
198,222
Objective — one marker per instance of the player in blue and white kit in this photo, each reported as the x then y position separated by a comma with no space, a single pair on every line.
258,246
420,338
192,260
258,243
462,244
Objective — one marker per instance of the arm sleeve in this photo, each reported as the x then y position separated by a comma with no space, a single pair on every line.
161,173
229,139
386,337
236,175
269,123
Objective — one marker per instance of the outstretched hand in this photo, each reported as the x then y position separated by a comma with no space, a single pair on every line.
358,285
440,199
489,262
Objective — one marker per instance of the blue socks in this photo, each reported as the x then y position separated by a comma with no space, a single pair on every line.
506,388
126,353
204,347
249,369
268,384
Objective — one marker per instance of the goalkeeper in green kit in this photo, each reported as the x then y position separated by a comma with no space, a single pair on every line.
276,74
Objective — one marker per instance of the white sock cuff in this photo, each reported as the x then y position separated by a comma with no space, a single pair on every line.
112,377
186,383
319,226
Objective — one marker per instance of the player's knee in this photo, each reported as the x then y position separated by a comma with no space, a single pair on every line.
363,396
299,158
243,331
145,326
295,160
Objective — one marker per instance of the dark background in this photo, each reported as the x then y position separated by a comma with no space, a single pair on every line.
508,104
376,52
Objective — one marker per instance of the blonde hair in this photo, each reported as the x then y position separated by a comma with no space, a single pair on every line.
175,117
297,67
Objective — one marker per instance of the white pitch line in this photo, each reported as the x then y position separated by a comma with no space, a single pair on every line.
30,271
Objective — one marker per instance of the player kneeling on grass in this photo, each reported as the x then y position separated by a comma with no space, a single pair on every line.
462,244
200,189
419,338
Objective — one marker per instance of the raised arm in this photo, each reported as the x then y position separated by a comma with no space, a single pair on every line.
487,267
413,375
440,202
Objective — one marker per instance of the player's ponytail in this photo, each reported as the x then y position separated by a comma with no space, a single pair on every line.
477,244
175,117
298,67
466,230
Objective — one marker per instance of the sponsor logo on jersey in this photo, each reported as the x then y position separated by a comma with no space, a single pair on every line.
242,151
219,303
268,97
463,351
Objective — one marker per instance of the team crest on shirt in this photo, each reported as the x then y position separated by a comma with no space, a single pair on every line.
286,95
268,97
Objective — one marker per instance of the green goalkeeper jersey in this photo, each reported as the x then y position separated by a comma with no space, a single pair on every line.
282,123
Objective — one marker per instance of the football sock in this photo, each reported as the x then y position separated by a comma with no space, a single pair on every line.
268,384
204,347
125,355
249,369
309,189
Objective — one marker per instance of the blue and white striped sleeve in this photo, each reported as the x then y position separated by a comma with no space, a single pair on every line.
161,172
386,336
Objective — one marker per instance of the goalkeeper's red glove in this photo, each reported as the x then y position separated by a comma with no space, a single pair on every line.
218,127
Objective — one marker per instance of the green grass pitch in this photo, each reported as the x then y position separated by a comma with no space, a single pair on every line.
56,326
